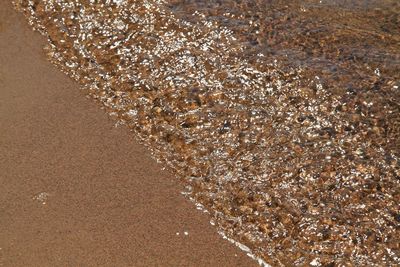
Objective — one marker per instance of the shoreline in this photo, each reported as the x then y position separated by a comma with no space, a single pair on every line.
77,190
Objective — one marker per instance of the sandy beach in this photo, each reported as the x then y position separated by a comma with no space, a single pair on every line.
279,119
74,189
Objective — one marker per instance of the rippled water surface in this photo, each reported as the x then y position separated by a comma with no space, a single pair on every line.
334,37
353,49
281,117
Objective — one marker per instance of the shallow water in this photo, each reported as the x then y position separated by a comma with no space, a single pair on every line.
282,117
330,36
352,48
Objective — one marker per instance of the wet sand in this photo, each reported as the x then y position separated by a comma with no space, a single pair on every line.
75,190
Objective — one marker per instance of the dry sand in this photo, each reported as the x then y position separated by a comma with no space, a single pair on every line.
75,190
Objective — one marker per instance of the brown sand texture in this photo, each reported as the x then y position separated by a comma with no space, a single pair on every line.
75,190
